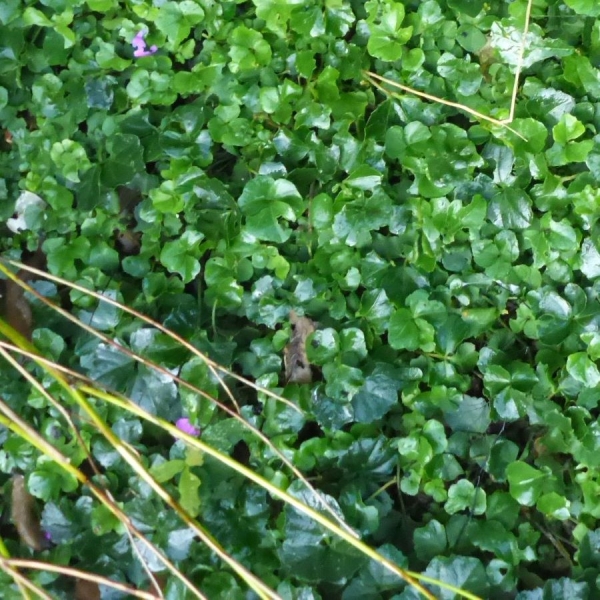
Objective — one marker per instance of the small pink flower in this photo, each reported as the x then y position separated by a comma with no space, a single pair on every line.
139,43
184,425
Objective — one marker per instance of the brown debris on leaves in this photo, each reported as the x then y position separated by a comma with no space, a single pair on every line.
297,367
17,311
24,515
128,242
86,590
15,307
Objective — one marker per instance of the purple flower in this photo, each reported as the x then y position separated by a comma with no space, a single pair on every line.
139,43
184,425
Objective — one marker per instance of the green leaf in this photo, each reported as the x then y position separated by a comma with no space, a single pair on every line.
403,333
526,483
471,414
465,77
222,282
567,129
248,50
510,209
176,19
189,498
103,520
352,345
467,7
430,540
590,259
387,37
49,482
58,522
264,202
507,40
126,160
459,571
9,10
167,470
554,505
377,395
70,158
583,370
179,256
356,219
462,496
322,346
584,7
363,177
33,16
469,36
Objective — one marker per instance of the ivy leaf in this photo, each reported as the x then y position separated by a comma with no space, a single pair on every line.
109,366
387,36
567,129
176,19
463,496
167,470
430,540
188,492
526,483
507,40
403,331
71,158
584,7
264,202
49,481
460,571
510,209
583,370
465,76
155,392
377,395
468,7
590,259
126,160
179,256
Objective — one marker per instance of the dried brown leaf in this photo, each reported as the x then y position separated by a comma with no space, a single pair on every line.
25,516
86,590
17,311
16,308
297,367
128,242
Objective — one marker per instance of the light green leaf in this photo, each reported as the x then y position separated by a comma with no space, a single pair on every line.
403,331
584,7
188,492
582,369
179,256
176,19
70,158
526,483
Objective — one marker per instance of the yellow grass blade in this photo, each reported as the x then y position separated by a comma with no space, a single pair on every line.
77,573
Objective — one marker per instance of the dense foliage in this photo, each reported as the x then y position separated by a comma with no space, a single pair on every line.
246,167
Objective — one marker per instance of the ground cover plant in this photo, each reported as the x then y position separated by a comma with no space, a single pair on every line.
264,308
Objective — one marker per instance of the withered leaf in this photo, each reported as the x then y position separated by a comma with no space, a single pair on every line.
128,242
17,310
86,590
297,367
24,515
